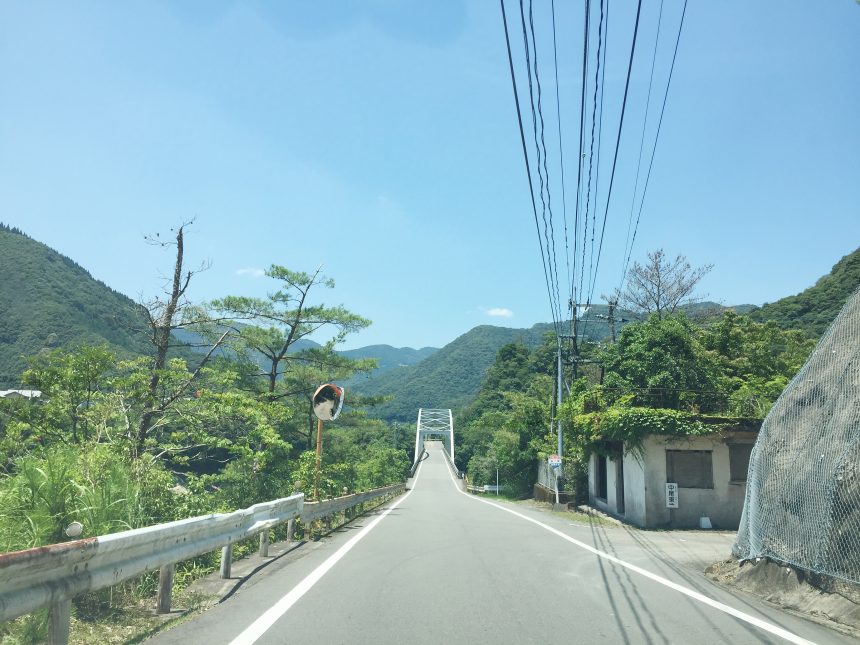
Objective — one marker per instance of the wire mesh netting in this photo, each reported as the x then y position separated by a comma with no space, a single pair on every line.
803,489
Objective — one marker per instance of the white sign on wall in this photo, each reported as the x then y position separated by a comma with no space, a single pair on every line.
671,495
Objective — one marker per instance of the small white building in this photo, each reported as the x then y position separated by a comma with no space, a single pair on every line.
20,394
709,472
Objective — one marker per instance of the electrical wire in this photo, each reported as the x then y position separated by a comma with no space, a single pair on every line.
575,295
617,145
656,137
525,152
549,231
642,143
567,271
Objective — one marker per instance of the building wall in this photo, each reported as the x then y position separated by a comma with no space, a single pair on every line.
635,509
723,503
645,485
634,488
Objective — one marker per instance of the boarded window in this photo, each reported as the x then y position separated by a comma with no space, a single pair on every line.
690,468
739,460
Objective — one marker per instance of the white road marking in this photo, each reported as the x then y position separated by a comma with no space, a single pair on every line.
256,629
695,595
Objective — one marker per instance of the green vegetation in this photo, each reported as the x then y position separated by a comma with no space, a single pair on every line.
505,425
813,309
122,437
664,375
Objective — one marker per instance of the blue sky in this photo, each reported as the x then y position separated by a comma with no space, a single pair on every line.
379,139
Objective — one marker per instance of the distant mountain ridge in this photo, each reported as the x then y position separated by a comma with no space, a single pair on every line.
813,309
450,377
47,301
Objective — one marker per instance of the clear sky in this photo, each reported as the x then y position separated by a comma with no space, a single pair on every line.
379,139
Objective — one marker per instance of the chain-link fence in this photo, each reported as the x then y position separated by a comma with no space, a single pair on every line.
803,490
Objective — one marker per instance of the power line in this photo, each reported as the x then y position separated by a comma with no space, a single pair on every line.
642,142
560,148
617,144
574,294
525,152
553,264
656,137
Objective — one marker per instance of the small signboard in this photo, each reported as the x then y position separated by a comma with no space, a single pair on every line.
554,461
671,495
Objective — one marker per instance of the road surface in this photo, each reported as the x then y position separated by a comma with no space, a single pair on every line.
440,566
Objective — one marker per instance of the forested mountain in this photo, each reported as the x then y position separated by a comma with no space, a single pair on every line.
813,309
47,300
389,357
449,378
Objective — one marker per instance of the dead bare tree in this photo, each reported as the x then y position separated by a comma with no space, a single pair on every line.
661,285
164,316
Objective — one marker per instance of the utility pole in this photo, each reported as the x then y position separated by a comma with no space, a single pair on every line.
611,320
558,399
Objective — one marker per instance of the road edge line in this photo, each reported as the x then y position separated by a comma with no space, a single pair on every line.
695,595
261,625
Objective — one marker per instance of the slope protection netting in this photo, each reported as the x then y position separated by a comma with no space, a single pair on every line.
803,489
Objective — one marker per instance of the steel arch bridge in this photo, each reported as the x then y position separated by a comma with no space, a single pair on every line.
434,422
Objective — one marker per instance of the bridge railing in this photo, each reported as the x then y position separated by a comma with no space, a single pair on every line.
459,473
50,576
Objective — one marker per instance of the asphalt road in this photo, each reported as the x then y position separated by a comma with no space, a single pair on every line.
440,566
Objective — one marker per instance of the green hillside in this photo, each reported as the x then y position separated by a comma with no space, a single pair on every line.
813,309
450,377
389,357
47,300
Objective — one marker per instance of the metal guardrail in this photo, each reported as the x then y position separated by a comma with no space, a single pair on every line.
317,510
50,576
486,488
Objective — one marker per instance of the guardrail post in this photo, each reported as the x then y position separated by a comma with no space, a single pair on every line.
264,544
291,529
226,560
165,589
58,622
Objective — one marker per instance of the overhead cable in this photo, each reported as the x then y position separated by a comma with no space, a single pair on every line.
525,153
575,295
641,144
567,271
548,228
654,149
617,146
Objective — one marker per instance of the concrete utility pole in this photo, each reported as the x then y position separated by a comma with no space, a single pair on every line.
611,320
558,399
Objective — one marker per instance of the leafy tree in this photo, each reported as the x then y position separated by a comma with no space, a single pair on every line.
662,285
755,361
507,421
273,338
662,357
286,317
72,381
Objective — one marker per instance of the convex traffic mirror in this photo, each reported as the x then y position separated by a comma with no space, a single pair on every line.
327,402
